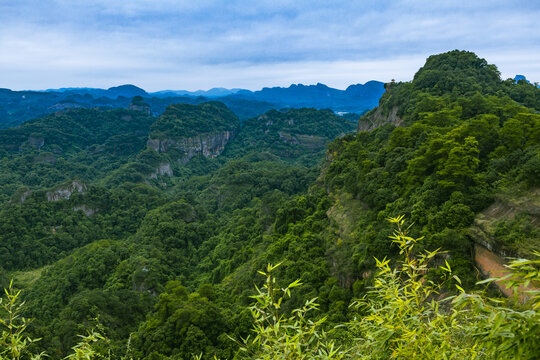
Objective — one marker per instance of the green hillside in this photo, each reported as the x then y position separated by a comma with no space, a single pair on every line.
297,135
76,144
186,120
159,246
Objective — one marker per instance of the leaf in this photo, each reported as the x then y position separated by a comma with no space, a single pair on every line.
489,280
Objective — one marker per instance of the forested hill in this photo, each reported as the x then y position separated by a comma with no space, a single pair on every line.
159,246
82,175
298,135
466,141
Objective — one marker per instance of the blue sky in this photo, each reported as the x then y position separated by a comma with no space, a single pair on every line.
200,44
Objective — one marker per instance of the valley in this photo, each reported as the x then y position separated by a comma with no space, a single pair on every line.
149,219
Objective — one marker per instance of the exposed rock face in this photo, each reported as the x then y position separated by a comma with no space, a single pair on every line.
507,207
65,192
162,170
287,138
208,145
312,142
65,106
24,196
490,251
377,118
36,141
491,265
140,107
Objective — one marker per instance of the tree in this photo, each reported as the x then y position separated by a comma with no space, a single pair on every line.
461,163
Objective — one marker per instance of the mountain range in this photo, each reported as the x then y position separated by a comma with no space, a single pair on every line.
19,106
150,233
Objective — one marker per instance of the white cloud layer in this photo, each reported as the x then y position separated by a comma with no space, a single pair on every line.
201,44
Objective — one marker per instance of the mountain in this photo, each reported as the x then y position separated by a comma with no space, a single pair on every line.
356,98
19,106
370,91
521,77
182,230
293,135
212,93
127,91
184,131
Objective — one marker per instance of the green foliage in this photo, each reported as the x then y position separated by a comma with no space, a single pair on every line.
457,72
166,253
517,232
404,317
183,324
83,144
458,147
84,349
293,135
39,231
282,336
401,317
186,120
3,278
14,342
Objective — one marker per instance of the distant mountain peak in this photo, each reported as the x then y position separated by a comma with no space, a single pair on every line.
127,90
211,93
521,77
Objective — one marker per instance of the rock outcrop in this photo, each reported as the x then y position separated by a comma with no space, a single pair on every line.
144,108
506,208
162,170
491,252
64,192
22,197
312,142
209,145
378,118
86,210
36,141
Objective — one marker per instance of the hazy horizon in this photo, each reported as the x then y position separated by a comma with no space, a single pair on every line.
195,90
181,45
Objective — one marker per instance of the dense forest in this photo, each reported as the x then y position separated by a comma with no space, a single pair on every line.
286,235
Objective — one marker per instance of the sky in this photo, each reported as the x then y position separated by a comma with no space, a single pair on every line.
201,44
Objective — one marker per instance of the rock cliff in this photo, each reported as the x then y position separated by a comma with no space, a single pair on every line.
507,212
145,108
88,211
36,141
378,118
209,145
162,170
64,192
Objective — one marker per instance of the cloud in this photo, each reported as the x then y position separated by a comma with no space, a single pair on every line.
252,43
